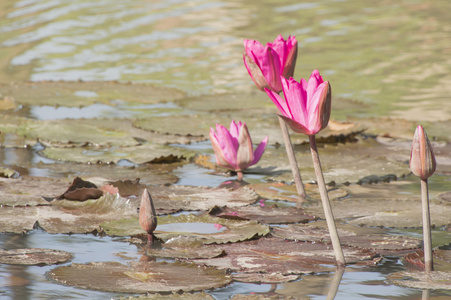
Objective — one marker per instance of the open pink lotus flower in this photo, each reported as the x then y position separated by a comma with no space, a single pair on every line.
422,159
307,105
266,64
234,149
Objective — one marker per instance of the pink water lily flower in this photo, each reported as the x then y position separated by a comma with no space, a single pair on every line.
266,64
307,105
234,149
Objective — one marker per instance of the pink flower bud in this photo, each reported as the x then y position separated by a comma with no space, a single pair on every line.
147,215
422,159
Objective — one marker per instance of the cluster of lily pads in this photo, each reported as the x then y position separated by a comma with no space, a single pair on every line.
231,239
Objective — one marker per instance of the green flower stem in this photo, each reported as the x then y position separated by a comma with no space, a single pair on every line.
239,175
293,163
427,240
326,203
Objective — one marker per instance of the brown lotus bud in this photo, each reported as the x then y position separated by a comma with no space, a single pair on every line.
422,159
147,215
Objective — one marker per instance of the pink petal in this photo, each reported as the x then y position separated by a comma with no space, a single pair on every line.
259,151
296,100
220,157
296,127
321,107
254,71
227,143
314,81
245,154
279,102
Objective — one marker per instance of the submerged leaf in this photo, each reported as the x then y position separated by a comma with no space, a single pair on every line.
200,228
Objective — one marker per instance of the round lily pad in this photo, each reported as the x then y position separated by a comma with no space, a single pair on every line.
29,191
266,214
279,257
205,229
140,277
338,163
387,212
172,296
65,216
365,241
138,154
422,280
288,192
33,256
200,198
67,93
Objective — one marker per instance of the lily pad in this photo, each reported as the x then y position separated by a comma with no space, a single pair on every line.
279,257
106,173
338,162
28,190
288,192
173,296
139,277
401,213
33,256
202,228
146,153
64,93
373,242
267,214
200,198
184,247
422,280
65,216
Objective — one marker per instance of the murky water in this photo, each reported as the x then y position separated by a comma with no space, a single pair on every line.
393,56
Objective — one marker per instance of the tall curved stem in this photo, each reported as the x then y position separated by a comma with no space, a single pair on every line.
326,203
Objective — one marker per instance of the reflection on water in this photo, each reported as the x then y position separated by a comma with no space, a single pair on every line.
392,55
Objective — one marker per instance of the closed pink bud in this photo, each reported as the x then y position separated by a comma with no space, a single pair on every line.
422,159
147,215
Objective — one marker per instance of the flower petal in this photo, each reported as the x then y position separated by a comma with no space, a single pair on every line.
279,102
220,157
296,127
245,153
259,151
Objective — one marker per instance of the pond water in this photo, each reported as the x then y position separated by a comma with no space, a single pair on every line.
389,58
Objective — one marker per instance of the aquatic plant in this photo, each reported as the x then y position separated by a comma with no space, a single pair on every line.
422,164
266,65
234,149
306,109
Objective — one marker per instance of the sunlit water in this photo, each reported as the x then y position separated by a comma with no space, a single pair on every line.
393,55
